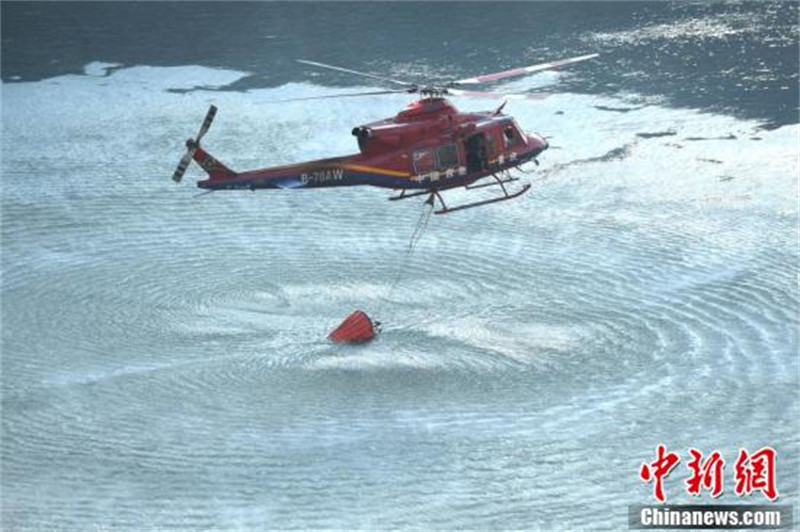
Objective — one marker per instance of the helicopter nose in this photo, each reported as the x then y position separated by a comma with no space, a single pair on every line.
537,143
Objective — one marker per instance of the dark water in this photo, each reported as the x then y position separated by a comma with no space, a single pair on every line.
734,57
164,363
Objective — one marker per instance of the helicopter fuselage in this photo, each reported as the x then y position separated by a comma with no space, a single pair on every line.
430,145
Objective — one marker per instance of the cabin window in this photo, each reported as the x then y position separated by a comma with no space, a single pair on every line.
424,161
511,136
447,156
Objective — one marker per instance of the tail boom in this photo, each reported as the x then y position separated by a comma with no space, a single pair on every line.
210,164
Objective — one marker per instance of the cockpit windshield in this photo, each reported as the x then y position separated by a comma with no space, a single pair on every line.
512,135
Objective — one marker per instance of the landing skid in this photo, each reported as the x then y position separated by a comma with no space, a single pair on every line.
403,195
493,184
446,210
435,193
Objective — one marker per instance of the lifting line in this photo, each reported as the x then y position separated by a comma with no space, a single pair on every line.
416,236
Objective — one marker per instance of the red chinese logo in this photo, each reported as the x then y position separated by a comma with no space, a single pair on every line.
705,474
658,470
756,472
752,472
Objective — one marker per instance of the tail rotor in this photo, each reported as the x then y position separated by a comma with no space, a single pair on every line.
192,144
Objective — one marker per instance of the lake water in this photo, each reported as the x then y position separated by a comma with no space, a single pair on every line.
164,361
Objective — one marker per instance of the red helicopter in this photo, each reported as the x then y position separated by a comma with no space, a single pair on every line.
426,148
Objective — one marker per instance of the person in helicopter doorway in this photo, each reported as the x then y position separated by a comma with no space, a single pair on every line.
477,153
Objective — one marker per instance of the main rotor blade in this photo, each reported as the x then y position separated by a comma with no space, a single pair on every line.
345,95
356,72
524,70
498,95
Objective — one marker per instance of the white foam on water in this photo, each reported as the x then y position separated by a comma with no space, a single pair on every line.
99,68
525,343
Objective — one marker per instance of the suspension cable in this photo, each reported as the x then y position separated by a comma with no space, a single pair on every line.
416,236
